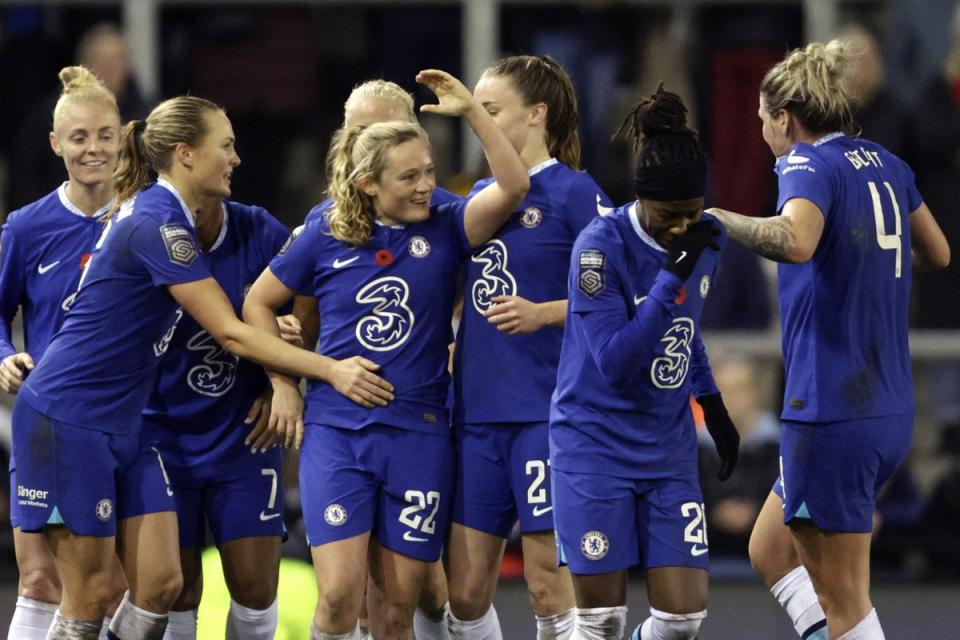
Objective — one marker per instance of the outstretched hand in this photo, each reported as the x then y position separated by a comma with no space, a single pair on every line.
454,98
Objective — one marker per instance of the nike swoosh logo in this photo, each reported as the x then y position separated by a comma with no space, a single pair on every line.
697,551
683,254
638,299
264,517
792,159
409,537
43,268
342,263
539,511
602,210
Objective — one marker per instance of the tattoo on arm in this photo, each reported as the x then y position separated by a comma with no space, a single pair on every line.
772,238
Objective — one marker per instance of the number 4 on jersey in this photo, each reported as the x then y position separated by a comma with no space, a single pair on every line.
885,240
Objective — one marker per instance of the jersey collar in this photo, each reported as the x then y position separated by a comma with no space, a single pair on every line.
540,167
223,228
827,138
192,219
643,235
69,206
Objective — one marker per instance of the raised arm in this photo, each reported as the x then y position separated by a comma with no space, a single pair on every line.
790,237
930,249
491,208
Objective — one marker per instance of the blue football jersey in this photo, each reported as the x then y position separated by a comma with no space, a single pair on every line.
202,393
631,357
440,196
98,370
503,378
43,248
844,312
390,301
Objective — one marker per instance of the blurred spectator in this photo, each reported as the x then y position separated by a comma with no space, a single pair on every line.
732,506
881,116
36,170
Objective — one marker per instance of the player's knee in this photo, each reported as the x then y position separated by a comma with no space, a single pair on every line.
161,591
469,599
670,626
41,582
398,618
254,592
339,606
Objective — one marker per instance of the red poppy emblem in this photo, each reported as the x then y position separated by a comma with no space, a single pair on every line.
383,257
682,296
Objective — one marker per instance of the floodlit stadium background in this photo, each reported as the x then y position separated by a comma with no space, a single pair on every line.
283,68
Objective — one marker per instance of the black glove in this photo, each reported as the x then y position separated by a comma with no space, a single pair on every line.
685,249
723,432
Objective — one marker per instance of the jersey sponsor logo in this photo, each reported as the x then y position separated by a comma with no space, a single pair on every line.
590,278
216,375
32,497
163,344
179,243
670,370
704,286
531,217
419,247
495,278
391,321
289,241
43,268
335,514
602,210
339,263
104,509
594,545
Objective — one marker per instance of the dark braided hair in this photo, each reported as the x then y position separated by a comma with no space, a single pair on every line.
670,160
542,79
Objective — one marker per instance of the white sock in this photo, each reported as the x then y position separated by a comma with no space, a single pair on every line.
105,628
424,628
31,619
244,623
66,629
131,621
316,634
602,623
796,595
557,627
866,629
181,625
486,627
670,626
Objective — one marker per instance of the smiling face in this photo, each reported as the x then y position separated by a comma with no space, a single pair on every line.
666,220
506,106
215,158
88,140
402,194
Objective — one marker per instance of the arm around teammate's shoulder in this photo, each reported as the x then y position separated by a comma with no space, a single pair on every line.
930,248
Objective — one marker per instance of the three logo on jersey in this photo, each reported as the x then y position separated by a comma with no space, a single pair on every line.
495,278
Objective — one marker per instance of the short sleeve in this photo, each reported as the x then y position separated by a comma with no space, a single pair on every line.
273,234
585,201
451,215
802,174
914,199
296,264
594,281
169,252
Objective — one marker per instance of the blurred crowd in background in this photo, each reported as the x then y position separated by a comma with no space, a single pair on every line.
283,71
